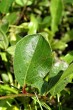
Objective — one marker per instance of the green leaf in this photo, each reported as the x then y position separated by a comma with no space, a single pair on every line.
33,25
5,104
46,106
57,67
68,36
5,27
46,22
12,17
58,83
58,44
68,58
5,89
3,56
23,2
5,5
56,9
44,3
32,60
11,50
3,40
5,77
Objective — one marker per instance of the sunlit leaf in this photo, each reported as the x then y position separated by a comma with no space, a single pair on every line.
33,25
32,60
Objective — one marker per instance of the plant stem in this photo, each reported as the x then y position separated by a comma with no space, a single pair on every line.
24,95
22,13
59,103
16,95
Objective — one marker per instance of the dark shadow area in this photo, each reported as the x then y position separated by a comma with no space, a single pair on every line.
52,81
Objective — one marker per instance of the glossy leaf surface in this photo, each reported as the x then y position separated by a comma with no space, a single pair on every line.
32,60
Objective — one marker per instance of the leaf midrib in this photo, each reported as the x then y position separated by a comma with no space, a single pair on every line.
31,61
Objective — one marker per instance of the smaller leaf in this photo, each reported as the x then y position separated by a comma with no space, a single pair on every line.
58,44
5,89
57,67
68,36
5,77
4,27
58,83
11,17
56,9
33,25
11,50
3,40
5,5
68,58
23,2
44,3
3,56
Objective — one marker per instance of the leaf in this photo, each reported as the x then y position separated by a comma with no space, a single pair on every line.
12,17
46,106
33,25
5,89
11,50
58,44
23,2
5,27
46,22
5,5
3,40
44,3
4,105
3,56
32,60
58,83
57,67
56,9
68,57
5,77
68,36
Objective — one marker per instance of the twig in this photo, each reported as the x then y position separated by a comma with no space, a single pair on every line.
24,95
17,95
22,13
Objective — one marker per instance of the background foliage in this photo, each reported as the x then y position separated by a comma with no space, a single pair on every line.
53,19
